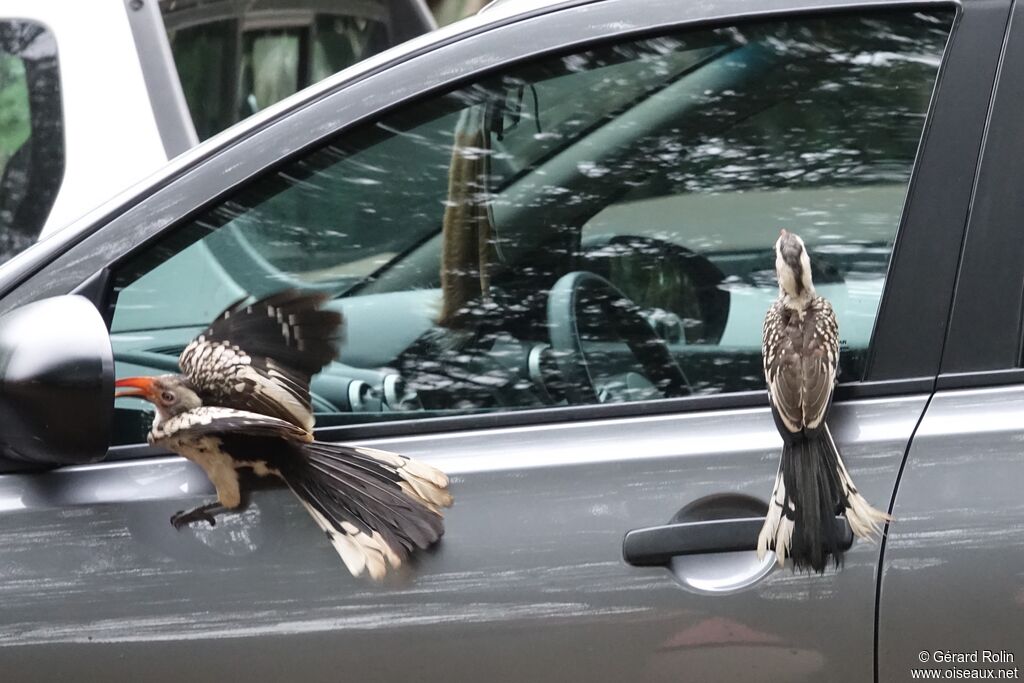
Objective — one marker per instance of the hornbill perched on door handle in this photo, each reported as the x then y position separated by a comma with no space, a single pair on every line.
242,401
801,356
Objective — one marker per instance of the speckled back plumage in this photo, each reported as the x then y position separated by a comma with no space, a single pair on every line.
800,349
260,357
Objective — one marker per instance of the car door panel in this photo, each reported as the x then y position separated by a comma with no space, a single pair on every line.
951,581
528,583
952,575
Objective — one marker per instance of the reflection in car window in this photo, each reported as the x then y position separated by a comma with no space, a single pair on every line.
595,227
264,52
31,133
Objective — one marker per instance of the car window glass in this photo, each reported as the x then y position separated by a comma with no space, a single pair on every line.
593,227
31,133
261,54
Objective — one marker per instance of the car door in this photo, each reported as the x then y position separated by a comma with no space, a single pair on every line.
953,555
667,148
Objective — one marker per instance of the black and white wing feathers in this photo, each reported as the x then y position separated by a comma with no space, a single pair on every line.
216,421
800,363
376,507
820,364
259,357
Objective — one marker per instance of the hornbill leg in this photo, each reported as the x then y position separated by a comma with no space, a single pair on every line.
203,513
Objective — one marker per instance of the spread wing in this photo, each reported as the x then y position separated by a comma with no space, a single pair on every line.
259,357
800,363
214,420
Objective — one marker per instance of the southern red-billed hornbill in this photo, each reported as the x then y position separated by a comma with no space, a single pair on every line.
801,356
242,401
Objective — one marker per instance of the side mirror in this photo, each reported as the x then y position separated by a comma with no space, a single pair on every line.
56,382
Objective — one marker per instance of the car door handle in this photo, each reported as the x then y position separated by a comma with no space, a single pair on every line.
655,546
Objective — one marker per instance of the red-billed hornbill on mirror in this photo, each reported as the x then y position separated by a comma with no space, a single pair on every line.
242,401
801,356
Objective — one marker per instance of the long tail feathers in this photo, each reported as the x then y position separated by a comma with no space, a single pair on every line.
865,521
778,527
812,485
376,507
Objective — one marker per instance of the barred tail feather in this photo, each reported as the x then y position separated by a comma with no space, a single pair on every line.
865,521
357,550
376,507
814,480
799,523
811,488
777,529
426,484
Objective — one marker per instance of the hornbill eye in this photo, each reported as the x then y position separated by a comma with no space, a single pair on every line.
167,397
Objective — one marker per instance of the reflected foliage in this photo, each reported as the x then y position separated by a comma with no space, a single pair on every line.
31,133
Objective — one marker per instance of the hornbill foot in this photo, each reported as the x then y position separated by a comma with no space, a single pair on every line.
199,514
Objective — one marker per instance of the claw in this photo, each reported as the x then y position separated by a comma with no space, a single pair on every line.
200,514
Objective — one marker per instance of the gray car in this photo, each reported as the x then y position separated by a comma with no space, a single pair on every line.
549,228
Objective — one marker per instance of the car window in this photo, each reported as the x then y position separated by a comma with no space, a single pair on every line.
31,133
593,227
263,52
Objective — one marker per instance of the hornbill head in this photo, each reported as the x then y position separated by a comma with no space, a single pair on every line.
171,394
793,266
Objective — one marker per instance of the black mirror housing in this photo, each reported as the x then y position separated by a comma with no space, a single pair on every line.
56,382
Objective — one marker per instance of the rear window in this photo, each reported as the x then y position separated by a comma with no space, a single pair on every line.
31,132
236,58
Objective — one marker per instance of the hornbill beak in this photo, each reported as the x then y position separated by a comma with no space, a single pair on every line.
138,387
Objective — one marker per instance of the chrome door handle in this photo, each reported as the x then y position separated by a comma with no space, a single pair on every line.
655,546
